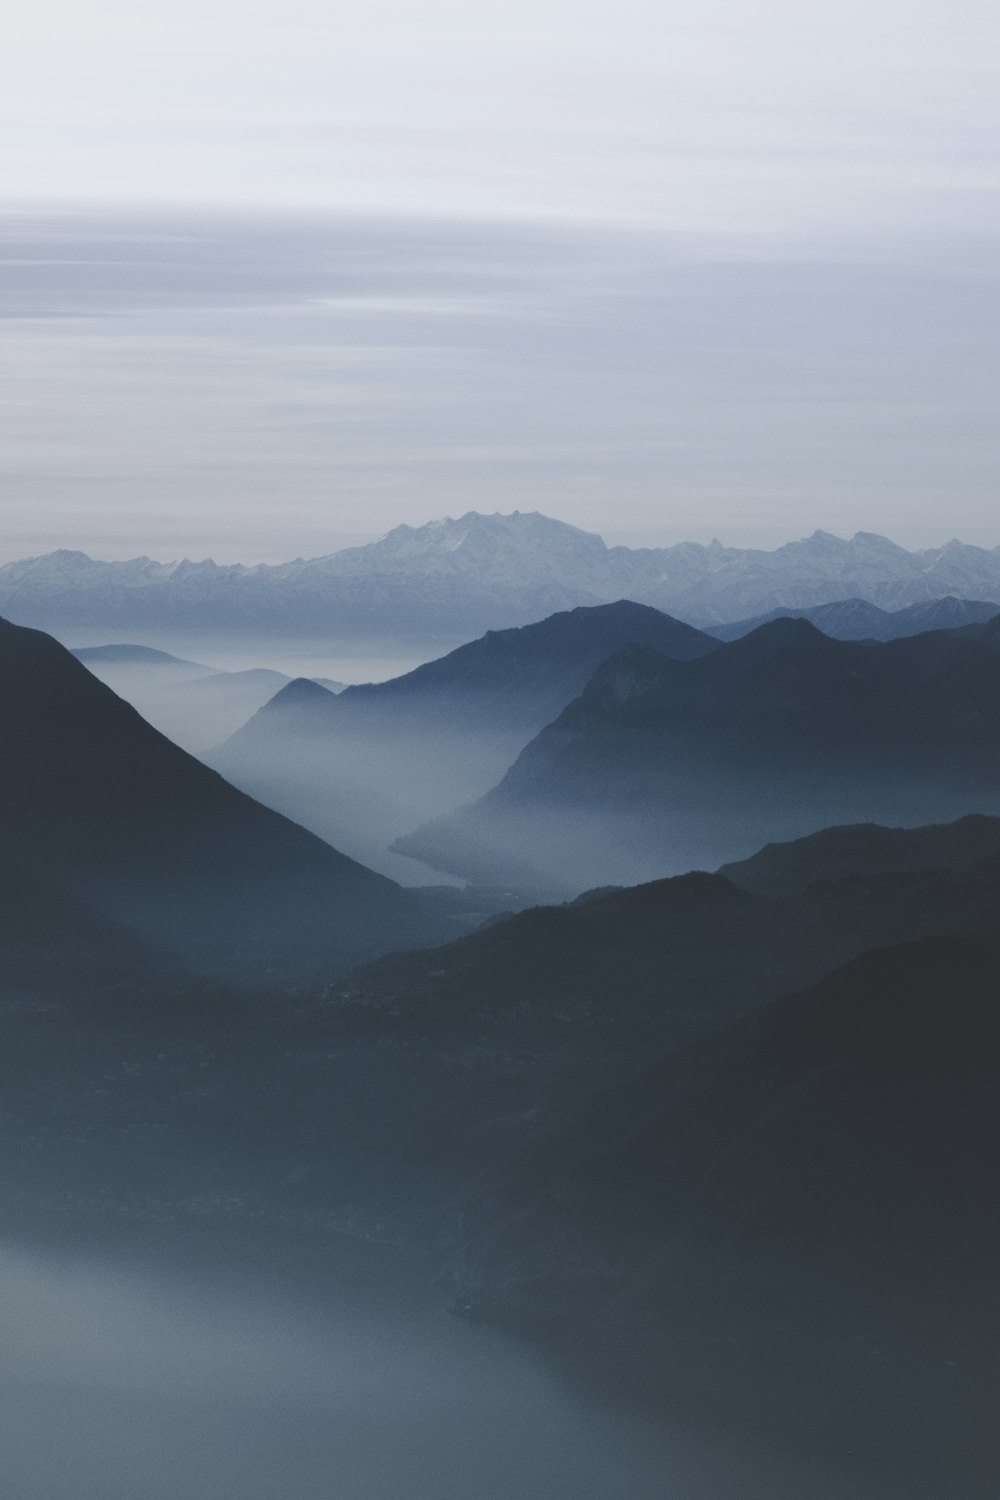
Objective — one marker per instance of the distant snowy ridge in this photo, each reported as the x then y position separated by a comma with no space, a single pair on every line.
454,578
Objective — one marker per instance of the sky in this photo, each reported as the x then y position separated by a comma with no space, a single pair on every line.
276,277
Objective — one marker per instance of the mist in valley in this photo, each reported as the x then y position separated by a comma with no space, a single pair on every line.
199,689
499,791
120,1380
270,1120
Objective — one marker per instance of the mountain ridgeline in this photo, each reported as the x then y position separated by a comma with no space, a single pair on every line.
860,620
452,579
109,820
194,705
722,1144
369,764
785,1221
661,765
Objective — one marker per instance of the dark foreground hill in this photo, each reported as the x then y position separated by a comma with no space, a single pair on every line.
796,1216
440,1102
368,764
384,1096
134,836
864,849
662,765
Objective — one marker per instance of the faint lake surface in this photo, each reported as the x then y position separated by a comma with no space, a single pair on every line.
116,1383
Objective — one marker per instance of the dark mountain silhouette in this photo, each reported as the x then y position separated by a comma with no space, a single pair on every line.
383,1097
793,1221
53,941
520,678
859,620
401,1101
129,829
988,634
864,849
662,765
368,764
676,957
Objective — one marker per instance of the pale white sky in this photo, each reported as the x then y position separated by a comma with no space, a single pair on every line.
674,269
781,117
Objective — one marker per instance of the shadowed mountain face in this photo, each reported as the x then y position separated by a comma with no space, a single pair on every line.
377,1107
862,850
383,1098
366,765
798,1214
669,960
130,831
859,620
661,765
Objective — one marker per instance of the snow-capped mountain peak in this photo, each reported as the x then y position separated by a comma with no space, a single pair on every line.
455,577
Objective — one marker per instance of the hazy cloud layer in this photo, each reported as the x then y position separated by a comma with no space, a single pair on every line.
776,119
264,386
116,1384
659,269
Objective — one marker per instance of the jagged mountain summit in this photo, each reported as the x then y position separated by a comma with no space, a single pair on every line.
661,766
452,579
141,839
369,764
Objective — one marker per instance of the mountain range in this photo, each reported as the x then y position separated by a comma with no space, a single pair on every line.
120,832
369,764
785,1219
454,578
194,705
859,620
661,766
515,1103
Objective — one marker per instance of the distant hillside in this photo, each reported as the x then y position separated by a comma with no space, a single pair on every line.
371,763
661,766
194,705
452,579
96,657
858,620
135,836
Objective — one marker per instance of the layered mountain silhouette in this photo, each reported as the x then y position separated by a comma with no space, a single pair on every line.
194,705
370,763
453,578
123,832
387,1098
674,958
661,766
496,1094
859,620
